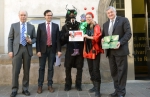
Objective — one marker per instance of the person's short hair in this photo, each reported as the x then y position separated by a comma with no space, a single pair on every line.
111,7
47,11
23,11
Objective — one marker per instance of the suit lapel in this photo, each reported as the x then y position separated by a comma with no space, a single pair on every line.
28,29
52,29
18,28
116,22
107,27
44,27
18,32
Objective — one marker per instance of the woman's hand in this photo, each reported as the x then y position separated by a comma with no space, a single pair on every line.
85,36
88,37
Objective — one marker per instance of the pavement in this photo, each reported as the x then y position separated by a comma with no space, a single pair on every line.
133,88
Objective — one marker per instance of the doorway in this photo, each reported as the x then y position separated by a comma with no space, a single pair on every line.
141,34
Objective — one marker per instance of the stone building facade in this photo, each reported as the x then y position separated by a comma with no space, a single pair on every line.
9,14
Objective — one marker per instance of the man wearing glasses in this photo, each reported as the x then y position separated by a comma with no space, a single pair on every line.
47,45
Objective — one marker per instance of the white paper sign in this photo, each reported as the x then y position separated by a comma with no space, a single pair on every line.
76,35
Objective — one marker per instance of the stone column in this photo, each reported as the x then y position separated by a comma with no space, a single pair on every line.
1,26
103,4
102,18
128,14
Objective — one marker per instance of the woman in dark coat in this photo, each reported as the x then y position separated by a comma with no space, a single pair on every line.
92,51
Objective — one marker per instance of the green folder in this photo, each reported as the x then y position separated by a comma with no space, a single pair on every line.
105,45
110,42
114,38
113,44
107,38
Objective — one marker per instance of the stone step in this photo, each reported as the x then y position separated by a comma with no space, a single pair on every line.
4,59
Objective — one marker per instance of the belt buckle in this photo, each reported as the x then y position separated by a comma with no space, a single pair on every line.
48,45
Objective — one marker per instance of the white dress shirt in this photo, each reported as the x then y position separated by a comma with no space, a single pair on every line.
110,23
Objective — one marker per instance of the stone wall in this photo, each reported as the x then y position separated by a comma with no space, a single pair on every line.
59,72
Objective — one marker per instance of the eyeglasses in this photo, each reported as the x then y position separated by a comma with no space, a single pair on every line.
49,15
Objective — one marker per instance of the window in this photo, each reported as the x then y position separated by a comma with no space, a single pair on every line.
119,5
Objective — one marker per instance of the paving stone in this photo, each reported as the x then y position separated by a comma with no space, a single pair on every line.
140,89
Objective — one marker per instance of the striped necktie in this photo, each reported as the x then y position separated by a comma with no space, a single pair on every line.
48,35
23,39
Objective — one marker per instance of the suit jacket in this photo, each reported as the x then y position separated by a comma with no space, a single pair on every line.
42,38
121,28
14,38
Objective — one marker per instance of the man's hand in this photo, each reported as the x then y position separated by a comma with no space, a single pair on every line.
10,54
102,40
118,45
39,54
28,39
59,54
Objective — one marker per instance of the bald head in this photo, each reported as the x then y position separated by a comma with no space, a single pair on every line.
23,16
22,11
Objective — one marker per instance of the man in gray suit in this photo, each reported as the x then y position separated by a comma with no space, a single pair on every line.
20,40
117,25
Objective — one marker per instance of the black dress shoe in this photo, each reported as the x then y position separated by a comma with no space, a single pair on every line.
114,94
78,88
26,92
92,90
67,88
13,94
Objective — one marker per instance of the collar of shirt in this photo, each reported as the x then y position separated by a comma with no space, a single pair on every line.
47,24
22,25
113,19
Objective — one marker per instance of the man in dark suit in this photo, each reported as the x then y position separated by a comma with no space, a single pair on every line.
47,45
20,40
117,25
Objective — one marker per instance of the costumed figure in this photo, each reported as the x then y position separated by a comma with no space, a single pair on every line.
72,61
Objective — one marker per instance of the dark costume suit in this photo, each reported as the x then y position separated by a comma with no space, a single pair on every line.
72,61
118,57
47,52
22,54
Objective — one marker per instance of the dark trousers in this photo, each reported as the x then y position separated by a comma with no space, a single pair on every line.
75,45
118,68
24,58
42,61
94,68
79,66
68,78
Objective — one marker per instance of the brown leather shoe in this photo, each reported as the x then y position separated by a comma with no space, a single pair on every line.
51,89
39,91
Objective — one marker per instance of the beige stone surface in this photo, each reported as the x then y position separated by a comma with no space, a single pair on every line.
1,26
59,72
